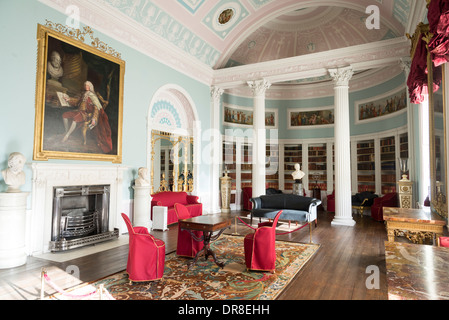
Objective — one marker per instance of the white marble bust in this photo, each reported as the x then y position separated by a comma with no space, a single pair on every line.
14,176
297,174
142,179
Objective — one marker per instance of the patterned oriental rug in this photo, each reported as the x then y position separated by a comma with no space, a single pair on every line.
206,281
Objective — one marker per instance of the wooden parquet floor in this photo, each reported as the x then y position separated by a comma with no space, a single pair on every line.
337,272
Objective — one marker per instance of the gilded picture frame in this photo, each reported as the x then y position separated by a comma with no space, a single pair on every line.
79,97
299,118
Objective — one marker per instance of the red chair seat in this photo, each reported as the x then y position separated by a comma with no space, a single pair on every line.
146,255
187,246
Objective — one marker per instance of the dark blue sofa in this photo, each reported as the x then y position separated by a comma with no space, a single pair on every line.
294,208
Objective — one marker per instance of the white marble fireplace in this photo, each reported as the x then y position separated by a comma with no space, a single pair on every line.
46,176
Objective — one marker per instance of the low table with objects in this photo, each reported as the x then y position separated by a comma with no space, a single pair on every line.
209,224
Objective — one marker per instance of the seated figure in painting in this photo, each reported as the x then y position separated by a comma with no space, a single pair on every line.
90,115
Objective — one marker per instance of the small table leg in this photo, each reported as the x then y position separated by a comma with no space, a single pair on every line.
206,251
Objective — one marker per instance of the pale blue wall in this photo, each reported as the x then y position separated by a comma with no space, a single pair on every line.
143,76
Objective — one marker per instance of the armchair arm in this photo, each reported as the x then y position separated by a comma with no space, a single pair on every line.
156,203
257,203
313,209
192,199
364,202
141,230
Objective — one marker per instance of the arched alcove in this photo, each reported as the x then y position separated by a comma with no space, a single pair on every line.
173,111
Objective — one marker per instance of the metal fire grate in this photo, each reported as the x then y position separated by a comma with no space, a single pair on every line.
79,223
80,217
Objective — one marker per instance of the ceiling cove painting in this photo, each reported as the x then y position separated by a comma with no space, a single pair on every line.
164,25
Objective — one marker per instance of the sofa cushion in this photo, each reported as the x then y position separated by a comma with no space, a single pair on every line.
287,214
286,201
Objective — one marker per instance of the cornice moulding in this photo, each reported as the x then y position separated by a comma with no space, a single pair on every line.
367,56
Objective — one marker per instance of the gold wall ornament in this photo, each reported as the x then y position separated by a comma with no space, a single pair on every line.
78,34
59,88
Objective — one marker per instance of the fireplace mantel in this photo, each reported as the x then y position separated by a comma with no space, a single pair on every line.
49,175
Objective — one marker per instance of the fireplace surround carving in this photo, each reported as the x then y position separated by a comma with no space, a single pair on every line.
48,176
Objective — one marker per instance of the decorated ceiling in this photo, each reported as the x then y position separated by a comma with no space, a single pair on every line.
226,33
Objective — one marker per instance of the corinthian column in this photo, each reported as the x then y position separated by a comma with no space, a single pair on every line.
215,94
259,88
343,207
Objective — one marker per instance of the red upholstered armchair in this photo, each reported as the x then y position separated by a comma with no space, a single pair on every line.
146,255
388,200
187,246
259,247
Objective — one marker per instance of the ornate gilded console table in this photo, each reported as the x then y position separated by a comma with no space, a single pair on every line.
415,224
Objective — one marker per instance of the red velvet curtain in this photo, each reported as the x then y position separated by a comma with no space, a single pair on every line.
438,17
417,78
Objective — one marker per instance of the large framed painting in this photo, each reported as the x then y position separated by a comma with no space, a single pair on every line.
239,116
381,107
310,117
79,97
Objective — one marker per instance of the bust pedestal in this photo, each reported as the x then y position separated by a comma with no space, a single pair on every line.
297,188
142,209
12,229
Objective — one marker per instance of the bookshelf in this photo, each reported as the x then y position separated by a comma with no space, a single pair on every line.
317,173
272,166
292,155
388,164
366,177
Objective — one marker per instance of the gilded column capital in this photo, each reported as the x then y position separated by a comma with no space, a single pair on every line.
341,76
259,87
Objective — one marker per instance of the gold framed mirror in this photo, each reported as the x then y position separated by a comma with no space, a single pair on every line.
171,162
437,126
437,142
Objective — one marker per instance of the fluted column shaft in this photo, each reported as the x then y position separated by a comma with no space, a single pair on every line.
343,207
216,147
259,88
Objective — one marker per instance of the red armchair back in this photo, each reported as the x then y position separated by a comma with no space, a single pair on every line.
388,200
260,248
146,255
187,246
